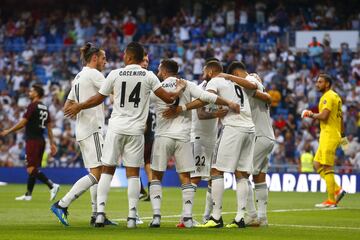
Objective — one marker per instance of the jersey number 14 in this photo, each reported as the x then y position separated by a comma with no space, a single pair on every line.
133,97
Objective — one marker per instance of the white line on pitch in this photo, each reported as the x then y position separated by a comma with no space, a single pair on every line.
309,226
226,213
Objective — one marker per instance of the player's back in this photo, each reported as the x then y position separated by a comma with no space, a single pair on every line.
260,112
232,91
131,87
205,128
38,117
85,85
179,127
331,101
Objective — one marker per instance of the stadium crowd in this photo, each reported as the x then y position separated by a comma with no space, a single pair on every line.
44,48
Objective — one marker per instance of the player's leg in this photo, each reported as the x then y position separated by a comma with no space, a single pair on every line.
245,142
113,147
163,148
184,165
35,151
263,147
133,159
203,152
91,153
30,185
325,162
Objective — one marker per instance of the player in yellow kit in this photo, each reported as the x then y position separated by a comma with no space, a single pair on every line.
331,131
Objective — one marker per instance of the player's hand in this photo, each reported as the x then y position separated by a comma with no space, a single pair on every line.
221,112
181,84
234,106
172,112
4,133
53,149
71,110
306,114
344,141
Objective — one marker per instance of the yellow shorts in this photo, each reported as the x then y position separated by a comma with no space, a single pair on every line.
325,154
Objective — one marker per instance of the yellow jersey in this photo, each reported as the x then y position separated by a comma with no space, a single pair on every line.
331,101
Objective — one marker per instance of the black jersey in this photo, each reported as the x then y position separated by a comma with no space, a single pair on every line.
38,117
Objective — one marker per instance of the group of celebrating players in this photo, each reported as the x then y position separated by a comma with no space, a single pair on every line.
228,130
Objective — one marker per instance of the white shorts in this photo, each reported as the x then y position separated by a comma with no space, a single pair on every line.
203,152
129,147
235,152
165,147
91,149
263,147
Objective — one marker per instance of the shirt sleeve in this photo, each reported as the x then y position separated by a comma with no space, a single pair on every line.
328,102
29,111
71,95
251,92
98,79
212,85
153,81
196,92
108,85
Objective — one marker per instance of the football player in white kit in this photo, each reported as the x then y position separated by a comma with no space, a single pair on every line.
264,143
204,130
131,87
89,127
236,144
172,137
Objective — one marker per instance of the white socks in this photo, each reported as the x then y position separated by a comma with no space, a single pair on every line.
156,196
208,203
103,191
261,193
188,193
78,189
133,195
93,195
250,206
242,189
217,193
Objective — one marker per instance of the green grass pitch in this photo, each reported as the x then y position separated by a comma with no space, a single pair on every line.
291,216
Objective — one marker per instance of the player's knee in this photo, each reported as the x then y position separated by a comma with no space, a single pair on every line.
215,172
32,171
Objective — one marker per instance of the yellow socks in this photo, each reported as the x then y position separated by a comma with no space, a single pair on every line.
330,184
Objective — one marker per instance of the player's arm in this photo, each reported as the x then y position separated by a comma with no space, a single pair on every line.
240,81
14,128
204,115
197,103
53,148
75,108
170,97
263,96
323,116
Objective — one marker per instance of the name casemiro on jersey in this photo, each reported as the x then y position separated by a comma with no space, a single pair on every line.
132,73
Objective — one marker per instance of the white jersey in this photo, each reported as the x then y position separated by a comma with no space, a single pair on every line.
227,89
86,84
131,87
207,128
179,127
260,112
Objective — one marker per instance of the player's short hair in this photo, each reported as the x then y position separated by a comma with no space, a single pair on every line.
136,50
211,59
326,77
170,65
215,66
38,89
88,50
236,65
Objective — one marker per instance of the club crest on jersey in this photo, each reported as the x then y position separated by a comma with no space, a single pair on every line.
324,102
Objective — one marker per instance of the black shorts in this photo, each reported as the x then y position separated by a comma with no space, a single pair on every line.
34,152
